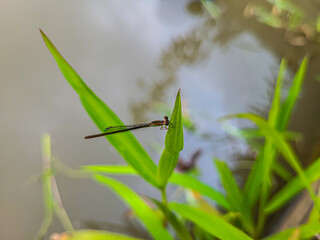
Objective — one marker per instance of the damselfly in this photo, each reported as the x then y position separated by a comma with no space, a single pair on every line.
163,124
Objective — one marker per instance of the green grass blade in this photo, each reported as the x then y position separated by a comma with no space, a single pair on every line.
180,179
126,144
276,103
97,235
202,188
261,171
281,171
252,187
211,223
111,169
148,216
234,195
293,187
174,138
173,145
287,106
178,226
307,231
282,146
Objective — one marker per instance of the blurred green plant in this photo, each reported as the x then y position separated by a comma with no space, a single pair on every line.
235,212
299,20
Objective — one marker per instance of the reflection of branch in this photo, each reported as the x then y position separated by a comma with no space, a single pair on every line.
51,196
182,51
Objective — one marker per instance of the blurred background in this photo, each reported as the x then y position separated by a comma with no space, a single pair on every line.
135,55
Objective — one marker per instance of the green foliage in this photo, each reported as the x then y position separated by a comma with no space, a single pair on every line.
211,223
173,145
96,235
103,116
239,207
147,215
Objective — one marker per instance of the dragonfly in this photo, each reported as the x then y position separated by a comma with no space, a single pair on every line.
163,124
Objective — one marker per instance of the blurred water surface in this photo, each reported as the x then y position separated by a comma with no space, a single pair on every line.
118,47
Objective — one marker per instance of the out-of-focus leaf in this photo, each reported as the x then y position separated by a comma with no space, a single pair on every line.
234,195
93,235
149,217
213,9
312,174
282,146
294,91
212,223
180,179
180,229
307,231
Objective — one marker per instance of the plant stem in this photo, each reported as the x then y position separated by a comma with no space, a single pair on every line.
164,196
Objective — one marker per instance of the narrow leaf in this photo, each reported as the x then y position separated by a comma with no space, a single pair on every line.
211,223
126,144
307,231
234,196
178,226
150,219
180,179
95,235
173,145
287,107
292,188
282,146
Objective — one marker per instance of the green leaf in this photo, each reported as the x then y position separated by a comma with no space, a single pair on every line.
262,166
111,169
180,179
234,196
276,103
252,187
281,171
212,8
282,146
167,164
126,144
307,231
174,138
150,219
96,235
174,221
211,223
173,145
287,106
202,188
312,174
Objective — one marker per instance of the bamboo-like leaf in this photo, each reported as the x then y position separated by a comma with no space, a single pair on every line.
234,195
180,179
261,171
126,144
211,223
173,145
95,235
293,187
150,219
180,229
282,146
174,138
294,92
307,231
